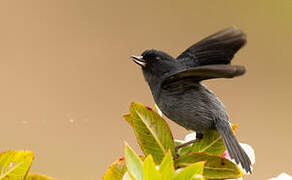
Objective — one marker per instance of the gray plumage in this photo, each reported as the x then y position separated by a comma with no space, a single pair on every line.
177,90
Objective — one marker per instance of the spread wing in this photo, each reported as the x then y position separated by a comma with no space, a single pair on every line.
218,48
205,72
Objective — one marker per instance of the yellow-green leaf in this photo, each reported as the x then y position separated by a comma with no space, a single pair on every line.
14,165
216,167
38,177
116,171
193,171
150,172
211,143
151,130
166,167
128,176
134,163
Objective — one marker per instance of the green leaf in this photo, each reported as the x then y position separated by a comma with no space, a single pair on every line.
38,177
166,167
134,163
211,143
151,130
128,176
116,171
14,165
150,172
216,167
193,171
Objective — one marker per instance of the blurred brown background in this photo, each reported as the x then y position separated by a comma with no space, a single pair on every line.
66,77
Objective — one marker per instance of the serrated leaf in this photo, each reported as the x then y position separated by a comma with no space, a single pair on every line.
134,163
38,177
216,167
151,130
150,172
14,165
116,171
211,143
190,172
166,167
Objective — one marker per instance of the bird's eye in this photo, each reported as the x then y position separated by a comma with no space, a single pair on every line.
157,58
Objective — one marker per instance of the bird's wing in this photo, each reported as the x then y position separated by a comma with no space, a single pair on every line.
218,48
205,72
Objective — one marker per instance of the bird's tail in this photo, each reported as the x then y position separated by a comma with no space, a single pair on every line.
235,151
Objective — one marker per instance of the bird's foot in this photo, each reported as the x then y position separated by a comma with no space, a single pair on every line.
199,136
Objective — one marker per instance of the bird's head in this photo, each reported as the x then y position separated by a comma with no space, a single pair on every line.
155,64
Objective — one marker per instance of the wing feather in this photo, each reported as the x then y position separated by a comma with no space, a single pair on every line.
206,72
218,48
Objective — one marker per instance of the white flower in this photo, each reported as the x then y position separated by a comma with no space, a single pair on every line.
282,176
190,137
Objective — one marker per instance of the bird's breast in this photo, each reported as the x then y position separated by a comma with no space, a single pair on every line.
194,107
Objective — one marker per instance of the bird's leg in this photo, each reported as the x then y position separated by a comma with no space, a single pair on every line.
199,136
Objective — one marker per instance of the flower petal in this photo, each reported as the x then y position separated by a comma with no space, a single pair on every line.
190,137
249,151
282,176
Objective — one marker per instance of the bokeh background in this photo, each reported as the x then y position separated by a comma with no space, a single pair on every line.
66,77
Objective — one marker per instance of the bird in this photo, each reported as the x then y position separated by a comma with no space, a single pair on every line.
177,89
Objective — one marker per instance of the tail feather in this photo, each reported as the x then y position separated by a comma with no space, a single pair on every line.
234,149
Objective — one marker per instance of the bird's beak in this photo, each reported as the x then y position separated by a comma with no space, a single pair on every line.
139,60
